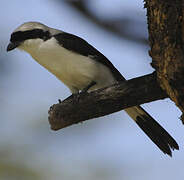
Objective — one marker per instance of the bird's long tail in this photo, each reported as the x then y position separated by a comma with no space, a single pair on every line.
153,129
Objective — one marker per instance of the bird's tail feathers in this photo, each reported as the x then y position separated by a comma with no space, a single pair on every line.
153,129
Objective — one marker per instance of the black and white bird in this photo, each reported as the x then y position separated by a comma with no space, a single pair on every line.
81,67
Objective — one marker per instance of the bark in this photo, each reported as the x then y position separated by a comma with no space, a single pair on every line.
105,101
166,33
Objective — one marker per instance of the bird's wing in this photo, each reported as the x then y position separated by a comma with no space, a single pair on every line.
82,47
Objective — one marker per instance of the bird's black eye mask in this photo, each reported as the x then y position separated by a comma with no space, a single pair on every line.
21,36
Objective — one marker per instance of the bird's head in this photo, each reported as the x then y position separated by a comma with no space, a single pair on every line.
29,35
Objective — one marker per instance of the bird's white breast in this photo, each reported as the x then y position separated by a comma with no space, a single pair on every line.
74,70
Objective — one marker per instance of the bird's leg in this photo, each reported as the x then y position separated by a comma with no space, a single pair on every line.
70,97
92,83
83,91
76,96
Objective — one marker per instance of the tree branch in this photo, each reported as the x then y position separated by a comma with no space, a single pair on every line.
105,101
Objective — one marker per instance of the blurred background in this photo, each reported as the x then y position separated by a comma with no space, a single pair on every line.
107,148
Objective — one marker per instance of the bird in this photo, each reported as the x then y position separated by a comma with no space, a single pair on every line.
82,68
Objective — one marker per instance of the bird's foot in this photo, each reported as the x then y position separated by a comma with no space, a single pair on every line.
76,97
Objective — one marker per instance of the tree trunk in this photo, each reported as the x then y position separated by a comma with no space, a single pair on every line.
165,26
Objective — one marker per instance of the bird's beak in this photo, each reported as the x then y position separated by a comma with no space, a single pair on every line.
12,46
